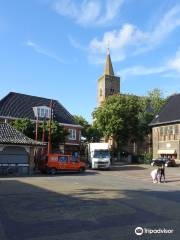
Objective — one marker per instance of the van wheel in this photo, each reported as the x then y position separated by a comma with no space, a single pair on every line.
52,171
81,170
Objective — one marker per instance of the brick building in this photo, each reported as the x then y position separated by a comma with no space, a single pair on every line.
166,130
18,106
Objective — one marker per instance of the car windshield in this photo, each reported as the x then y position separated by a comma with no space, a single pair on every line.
101,154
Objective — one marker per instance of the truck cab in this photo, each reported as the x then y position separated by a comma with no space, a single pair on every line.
59,162
99,156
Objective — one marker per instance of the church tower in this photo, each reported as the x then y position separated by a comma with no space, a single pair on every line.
108,83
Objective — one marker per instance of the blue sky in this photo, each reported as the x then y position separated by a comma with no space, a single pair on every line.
57,48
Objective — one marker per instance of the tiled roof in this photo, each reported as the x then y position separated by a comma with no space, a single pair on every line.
9,135
17,105
170,112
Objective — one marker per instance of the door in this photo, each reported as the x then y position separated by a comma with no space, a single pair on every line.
63,162
74,163
14,159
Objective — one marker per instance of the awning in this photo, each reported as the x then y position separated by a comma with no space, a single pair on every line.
166,151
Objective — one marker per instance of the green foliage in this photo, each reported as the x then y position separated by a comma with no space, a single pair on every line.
58,133
126,117
156,100
150,106
93,134
146,158
90,132
117,117
25,126
81,121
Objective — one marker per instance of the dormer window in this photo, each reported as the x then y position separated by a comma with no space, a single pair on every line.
42,112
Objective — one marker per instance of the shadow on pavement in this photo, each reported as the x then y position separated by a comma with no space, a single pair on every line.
63,173
31,212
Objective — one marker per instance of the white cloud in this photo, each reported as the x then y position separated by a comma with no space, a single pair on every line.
175,62
130,40
170,69
140,70
170,21
43,51
75,43
89,12
119,41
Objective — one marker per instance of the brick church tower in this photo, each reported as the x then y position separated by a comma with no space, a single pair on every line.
108,83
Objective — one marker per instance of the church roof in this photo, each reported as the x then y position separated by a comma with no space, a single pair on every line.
9,135
17,105
108,67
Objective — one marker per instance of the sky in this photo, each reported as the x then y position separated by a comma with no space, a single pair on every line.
57,48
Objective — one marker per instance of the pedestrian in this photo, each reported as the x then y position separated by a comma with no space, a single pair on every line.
154,174
159,175
162,173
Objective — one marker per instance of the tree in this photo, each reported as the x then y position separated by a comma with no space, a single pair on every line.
90,132
156,100
58,133
150,106
25,126
85,125
117,117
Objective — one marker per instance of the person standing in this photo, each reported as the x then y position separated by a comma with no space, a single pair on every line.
154,174
162,173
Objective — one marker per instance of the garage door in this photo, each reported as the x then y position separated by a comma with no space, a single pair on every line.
13,155
15,159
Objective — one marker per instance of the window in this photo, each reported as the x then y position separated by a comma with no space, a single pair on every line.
74,159
170,129
176,129
161,131
165,130
63,159
111,91
101,154
72,134
42,112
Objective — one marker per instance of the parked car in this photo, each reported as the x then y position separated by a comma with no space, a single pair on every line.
168,162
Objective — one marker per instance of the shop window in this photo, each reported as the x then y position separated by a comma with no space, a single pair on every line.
161,131
170,130
165,130
176,129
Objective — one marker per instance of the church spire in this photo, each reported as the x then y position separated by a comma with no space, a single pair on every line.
108,67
